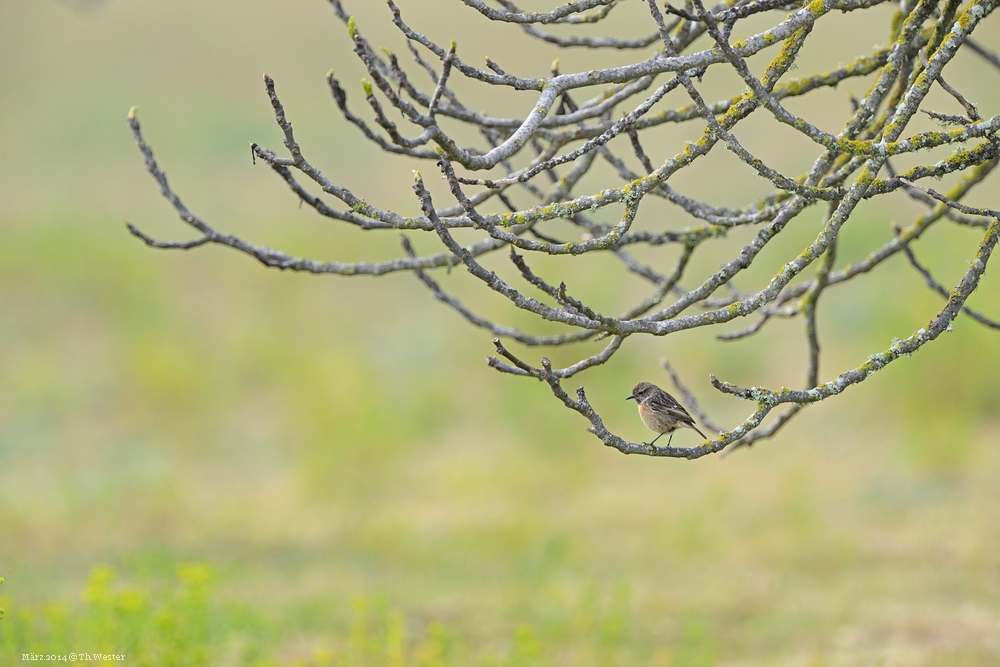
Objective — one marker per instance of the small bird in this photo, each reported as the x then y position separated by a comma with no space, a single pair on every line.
660,411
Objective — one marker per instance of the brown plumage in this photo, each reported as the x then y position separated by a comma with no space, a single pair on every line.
660,411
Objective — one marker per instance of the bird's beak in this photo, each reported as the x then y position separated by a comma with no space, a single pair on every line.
630,397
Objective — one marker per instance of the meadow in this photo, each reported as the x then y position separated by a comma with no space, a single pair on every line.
205,462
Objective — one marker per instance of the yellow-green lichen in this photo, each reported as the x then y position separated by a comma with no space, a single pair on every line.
817,7
896,24
966,18
854,146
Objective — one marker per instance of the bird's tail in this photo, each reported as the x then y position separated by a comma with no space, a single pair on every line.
696,429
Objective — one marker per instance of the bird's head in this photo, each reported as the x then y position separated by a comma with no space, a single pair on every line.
641,391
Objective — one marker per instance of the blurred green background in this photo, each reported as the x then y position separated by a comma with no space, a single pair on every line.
206,462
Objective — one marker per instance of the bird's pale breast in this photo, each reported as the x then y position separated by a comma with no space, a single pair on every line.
656,421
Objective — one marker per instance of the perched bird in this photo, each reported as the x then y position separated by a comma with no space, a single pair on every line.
660,411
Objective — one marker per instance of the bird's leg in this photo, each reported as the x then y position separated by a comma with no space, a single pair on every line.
669,439
650,444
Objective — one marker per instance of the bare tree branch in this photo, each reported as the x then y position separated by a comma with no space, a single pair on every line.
518,184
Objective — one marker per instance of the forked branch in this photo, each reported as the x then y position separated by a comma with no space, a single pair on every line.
520,182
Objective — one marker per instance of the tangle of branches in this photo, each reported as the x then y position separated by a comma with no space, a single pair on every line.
602,115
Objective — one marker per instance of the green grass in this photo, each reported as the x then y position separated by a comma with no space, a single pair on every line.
361,496
203,462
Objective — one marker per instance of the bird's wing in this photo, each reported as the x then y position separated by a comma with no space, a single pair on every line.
664,402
